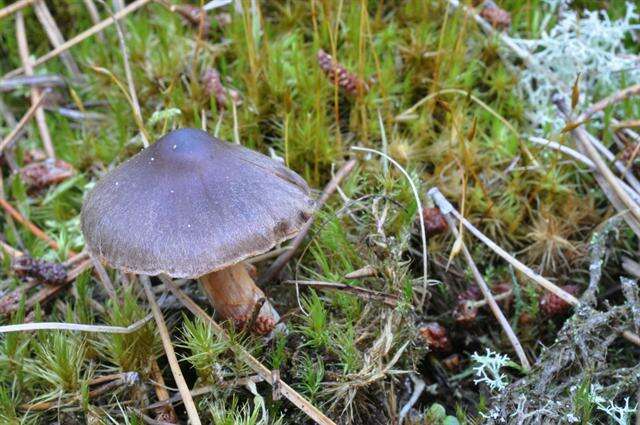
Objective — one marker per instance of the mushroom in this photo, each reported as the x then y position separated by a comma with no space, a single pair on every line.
193,206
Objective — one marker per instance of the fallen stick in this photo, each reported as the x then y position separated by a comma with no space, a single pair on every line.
28,224
488,296
189,405
447,208
602,104
23,48
14,83
54,35
75,327
292,395
583,159
584,139
82,36
14,7
367,294
284,258
166,411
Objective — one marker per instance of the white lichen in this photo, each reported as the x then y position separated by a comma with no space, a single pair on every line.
589,44
488,369
619,414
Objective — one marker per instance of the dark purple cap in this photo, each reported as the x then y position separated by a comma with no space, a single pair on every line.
191,204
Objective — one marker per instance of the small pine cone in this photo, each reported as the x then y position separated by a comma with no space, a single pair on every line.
44,271
340,75
9,302
497,17
213,87
434,222
553,305
435,336
42,174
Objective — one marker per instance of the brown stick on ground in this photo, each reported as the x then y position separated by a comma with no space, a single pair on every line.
166,412
14,7
28,224
23,48
584,141
292,395
189,405
95,16
331,187
364,293
486,292
55,35
602,104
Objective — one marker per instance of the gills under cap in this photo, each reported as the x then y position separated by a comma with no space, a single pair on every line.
191,204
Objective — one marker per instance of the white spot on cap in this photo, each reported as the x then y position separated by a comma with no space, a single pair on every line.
175,146
152,158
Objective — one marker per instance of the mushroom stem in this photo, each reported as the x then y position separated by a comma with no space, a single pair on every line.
234,294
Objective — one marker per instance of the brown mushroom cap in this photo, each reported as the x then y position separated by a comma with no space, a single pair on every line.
191,204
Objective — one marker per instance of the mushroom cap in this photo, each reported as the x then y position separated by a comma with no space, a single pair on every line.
191,204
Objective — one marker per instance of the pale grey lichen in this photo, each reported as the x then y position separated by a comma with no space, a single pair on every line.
588,44
488,369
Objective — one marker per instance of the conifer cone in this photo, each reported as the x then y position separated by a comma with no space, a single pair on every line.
337,73
42,174
41,270
434,222
553,305
435,336
497,17
213,87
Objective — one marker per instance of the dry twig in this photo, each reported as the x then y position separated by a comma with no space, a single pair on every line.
23,49
14,7
364,293
602,104
55,35
9,84
189,405
28,224
75,327
127,70
486,292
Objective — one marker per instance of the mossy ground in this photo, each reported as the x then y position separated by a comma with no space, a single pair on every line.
351,357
